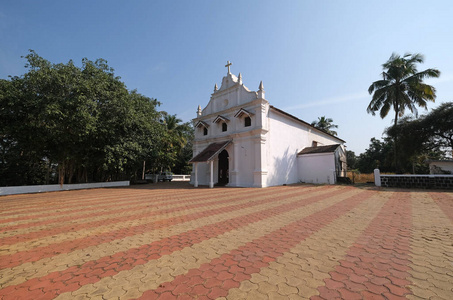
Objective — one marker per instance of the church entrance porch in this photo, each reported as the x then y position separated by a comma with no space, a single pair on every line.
223,169
213,152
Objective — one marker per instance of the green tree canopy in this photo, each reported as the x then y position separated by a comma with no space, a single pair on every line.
378,155
78,122
430,136
176,147
438,125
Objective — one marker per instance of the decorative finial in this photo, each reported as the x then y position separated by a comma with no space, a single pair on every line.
260,93
240,78
199,111
216,88
228,66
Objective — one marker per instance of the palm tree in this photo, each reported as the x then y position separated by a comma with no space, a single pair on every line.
171,121
401,87
175,128
325,124
177,136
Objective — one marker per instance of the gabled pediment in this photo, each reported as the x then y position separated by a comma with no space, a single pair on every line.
228,81
220,118
243,112
232,93
201,124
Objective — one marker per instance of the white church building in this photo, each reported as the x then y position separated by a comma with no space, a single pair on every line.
243,141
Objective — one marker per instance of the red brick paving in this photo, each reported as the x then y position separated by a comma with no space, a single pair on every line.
156,249
379,265
445,202
379,261
248,259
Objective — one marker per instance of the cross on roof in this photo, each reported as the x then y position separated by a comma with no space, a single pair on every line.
228,66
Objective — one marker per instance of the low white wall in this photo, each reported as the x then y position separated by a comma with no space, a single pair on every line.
178,177
12,190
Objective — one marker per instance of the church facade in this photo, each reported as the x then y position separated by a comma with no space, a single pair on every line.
243,141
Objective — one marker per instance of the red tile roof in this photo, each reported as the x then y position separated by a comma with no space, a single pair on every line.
210,152
319,149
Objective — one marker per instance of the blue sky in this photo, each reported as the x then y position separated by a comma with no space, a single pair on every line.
315,58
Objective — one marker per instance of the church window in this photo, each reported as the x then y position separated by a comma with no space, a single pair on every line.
224,126
247,122
314,144
205,131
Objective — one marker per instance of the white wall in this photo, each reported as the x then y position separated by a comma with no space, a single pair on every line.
12,190
286,138
317,168
246,162
444,165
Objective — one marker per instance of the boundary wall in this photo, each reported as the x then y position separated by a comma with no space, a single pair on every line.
13,190
177,177
423,181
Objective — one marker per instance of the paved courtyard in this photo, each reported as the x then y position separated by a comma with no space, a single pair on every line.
166,241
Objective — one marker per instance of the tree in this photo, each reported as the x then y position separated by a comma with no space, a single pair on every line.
401,88
351,158
413,145
78,122
325,124
177,147
438,125
428,137
376,156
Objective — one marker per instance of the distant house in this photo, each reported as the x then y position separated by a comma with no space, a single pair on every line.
440,166
243,141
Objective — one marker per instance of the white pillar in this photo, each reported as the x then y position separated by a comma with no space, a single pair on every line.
195,183
260,171
211,180
377,177
234,179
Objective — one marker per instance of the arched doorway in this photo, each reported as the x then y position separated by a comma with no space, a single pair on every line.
223,168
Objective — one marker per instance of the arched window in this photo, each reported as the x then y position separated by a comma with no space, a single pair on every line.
205,131
247,122
224,126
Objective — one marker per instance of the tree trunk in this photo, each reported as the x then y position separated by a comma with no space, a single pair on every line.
85,173
395,139
70,171
143,173
61,173
48,172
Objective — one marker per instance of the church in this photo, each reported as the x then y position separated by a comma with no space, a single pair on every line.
243,141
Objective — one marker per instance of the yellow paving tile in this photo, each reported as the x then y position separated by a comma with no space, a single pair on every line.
215,247
311,255
431,249
83,233
78,257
